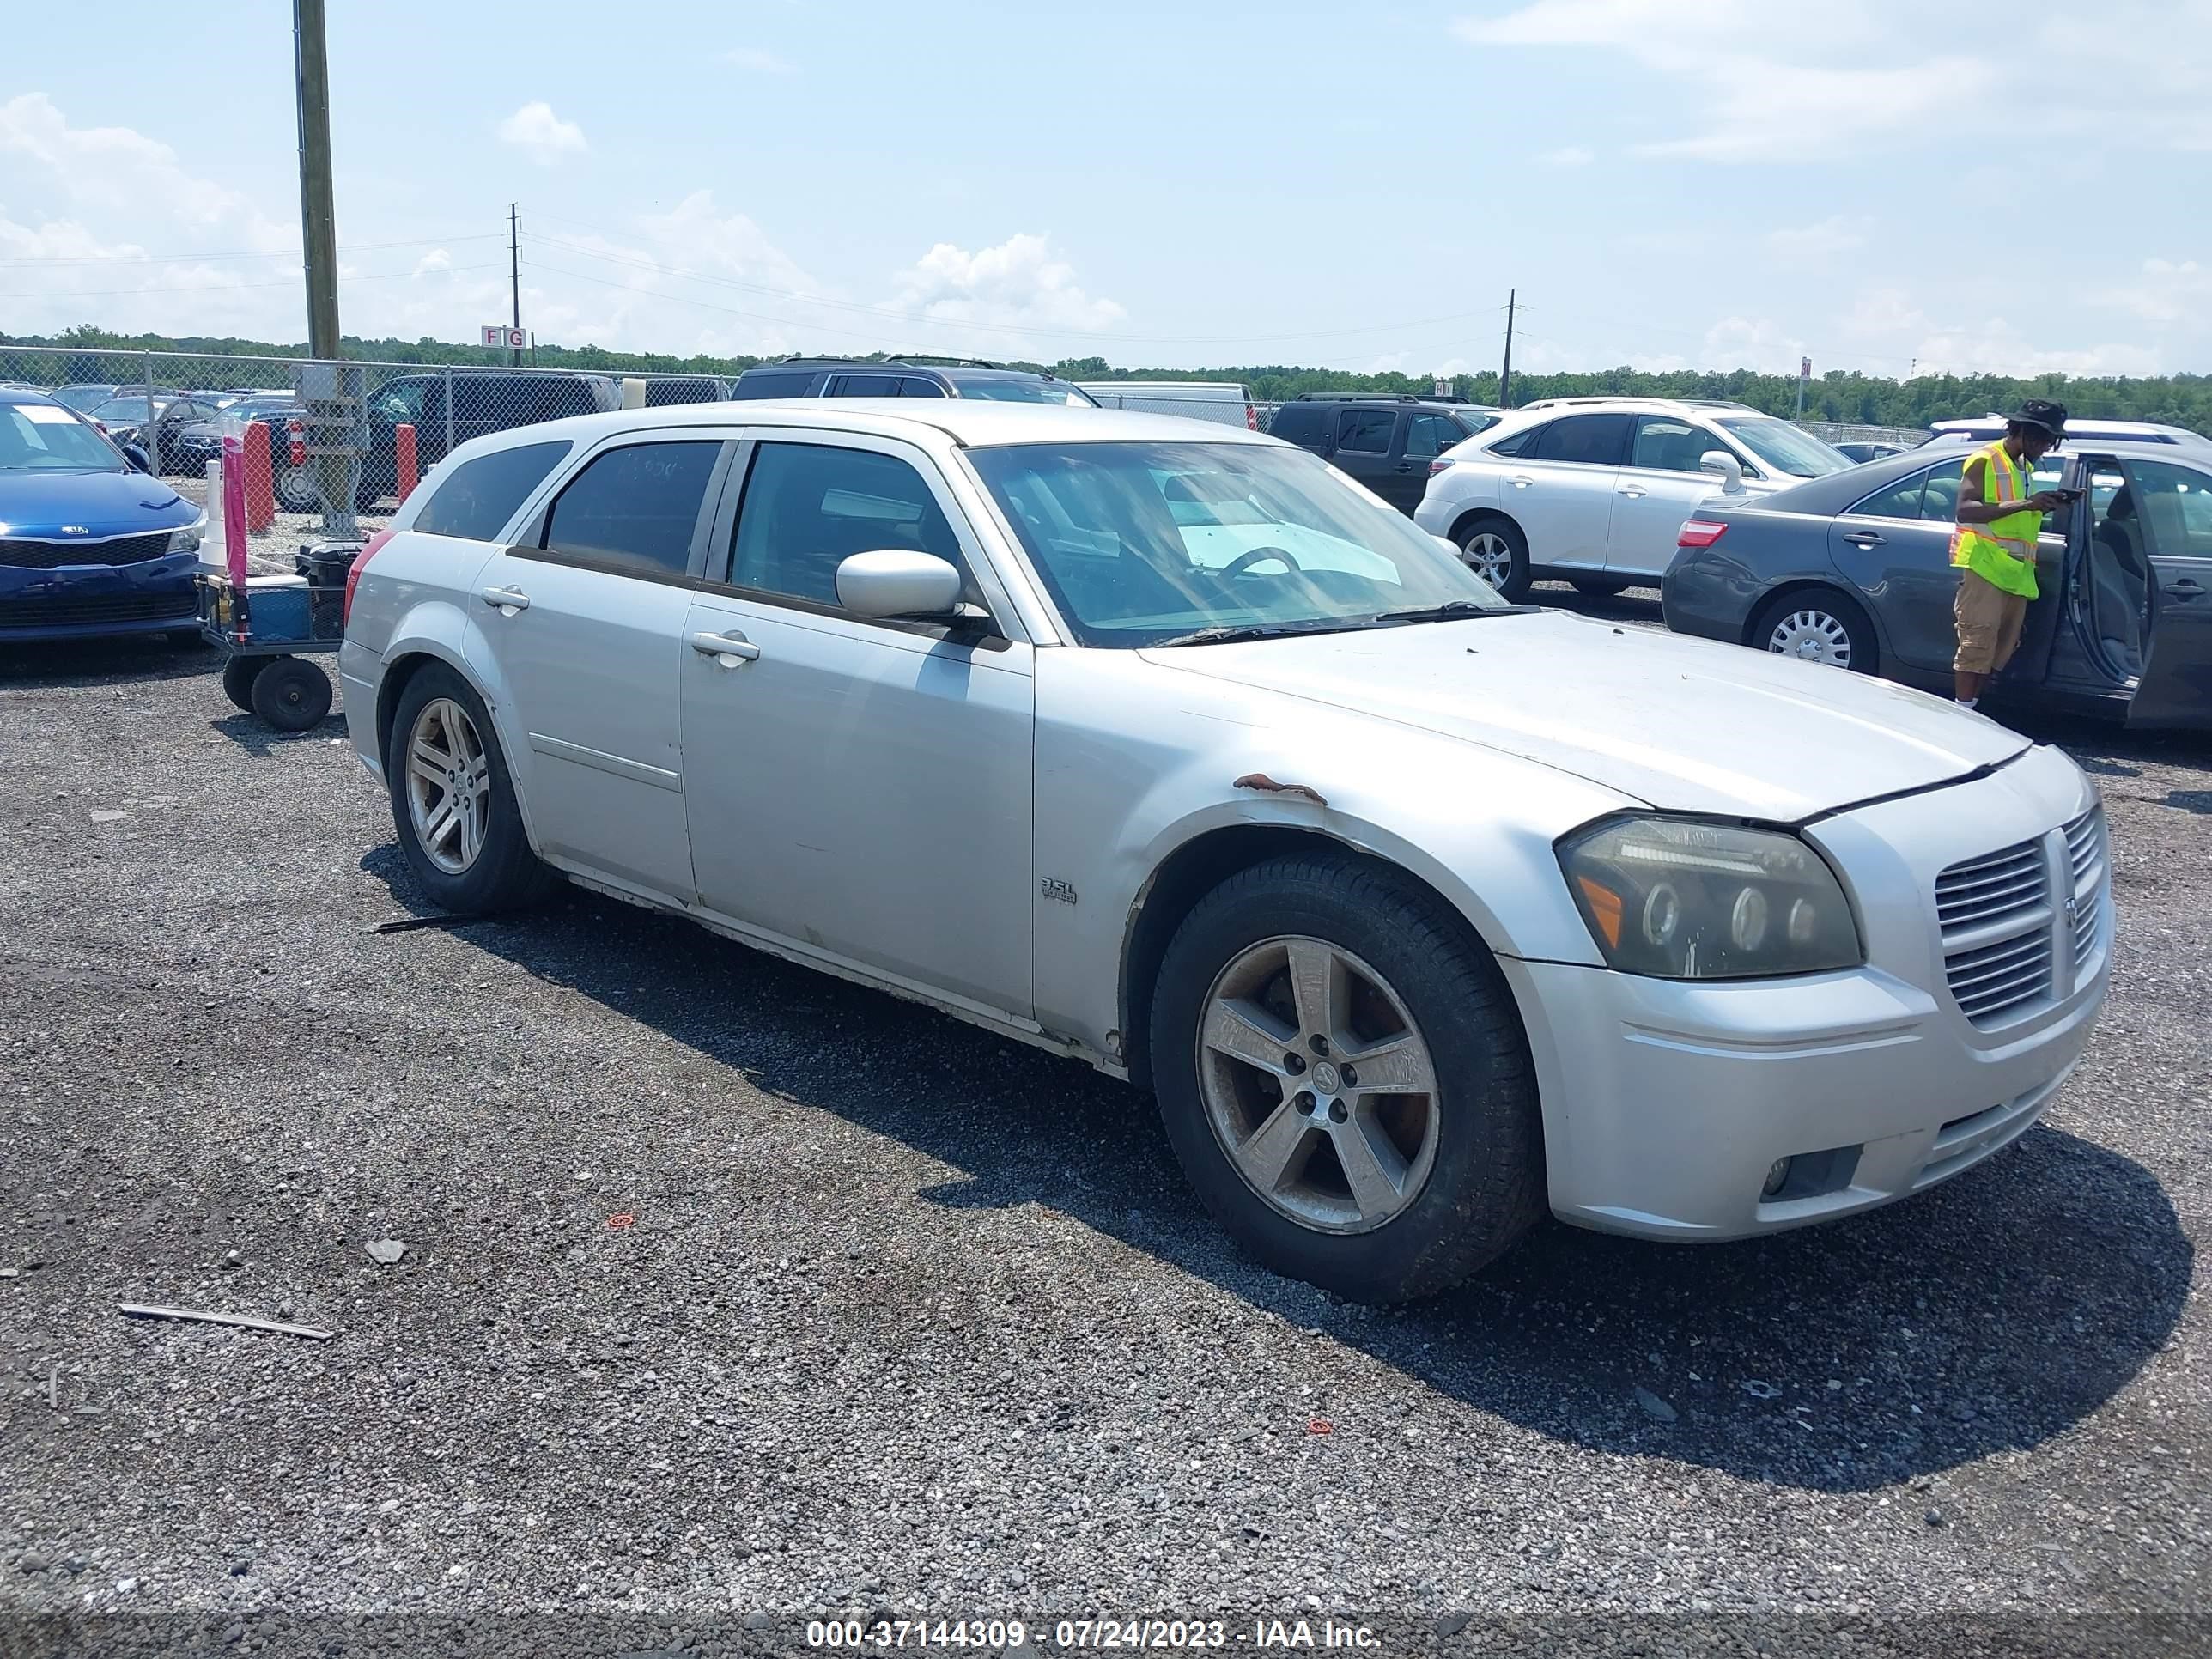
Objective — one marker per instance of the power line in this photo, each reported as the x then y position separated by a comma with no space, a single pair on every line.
234,287
240,253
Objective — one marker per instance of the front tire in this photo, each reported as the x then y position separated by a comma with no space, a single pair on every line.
1496,550
454,803
1345,1080
1817,625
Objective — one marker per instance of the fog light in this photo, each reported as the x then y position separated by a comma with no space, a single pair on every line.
1778,1177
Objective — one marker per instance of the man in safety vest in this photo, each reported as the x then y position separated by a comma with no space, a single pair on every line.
1994,545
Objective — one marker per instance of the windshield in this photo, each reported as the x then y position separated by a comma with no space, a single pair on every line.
1475,423
82,398
1021,390
251,408
1787,448
41,438
121,409
1141,542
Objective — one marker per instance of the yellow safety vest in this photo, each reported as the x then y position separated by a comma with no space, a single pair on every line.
2002,551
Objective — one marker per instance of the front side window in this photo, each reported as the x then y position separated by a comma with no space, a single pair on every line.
1591,439
1139,543
1366,430
1665,443
634,509
476,499
1786,448
808,508
398,403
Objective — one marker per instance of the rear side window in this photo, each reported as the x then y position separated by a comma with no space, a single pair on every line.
1593,440
1518,443
556,398
865,386
1300,424
777,383
635,509
1366,430
476,498
914,385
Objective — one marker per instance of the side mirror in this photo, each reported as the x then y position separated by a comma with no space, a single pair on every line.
897,583
136,455
1725,467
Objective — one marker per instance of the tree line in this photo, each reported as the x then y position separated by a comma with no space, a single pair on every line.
1840,395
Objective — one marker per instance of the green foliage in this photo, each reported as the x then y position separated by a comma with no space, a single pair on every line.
1841,395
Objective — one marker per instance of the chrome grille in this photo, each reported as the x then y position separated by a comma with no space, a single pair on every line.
1996,914
2087,857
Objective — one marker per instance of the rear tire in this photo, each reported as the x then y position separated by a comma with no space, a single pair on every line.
239,675
1401,984
1496,550
443,750
291,695
1817,624
295,488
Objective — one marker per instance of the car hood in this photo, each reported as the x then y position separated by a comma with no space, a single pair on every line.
1682,724
91,504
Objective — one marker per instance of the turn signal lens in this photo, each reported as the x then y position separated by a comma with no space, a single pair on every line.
1605,909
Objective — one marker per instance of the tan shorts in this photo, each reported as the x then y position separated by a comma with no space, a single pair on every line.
1989,622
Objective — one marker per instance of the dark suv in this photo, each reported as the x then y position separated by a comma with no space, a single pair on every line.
906,377
484,400
1384,440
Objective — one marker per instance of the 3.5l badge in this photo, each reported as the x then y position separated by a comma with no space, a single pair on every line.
1058,889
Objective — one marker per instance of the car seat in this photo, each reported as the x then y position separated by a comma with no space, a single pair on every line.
2119,583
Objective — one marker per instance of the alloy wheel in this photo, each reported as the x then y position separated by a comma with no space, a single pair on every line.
1317,1084
1812,636
1488,556
448,785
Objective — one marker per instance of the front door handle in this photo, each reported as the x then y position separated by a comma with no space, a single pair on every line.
1634,490
2186,588
507,598
727,650
1864,538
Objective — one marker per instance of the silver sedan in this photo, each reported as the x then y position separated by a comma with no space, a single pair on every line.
1165,746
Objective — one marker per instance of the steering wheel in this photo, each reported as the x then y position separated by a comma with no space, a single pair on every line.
1245,561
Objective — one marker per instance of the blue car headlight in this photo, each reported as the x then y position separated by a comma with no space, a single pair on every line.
188,539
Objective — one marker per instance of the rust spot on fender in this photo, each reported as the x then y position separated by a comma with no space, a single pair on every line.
1267,785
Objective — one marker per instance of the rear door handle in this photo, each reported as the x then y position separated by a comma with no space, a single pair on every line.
1519,483
507,598
2186,588
727,650
1864,538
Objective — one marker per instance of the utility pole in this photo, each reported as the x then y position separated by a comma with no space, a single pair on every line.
1505,375
514,277
318,211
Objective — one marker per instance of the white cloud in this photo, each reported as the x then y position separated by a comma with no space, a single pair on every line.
1019,283
760,60
537,131
1905,336
2168,291
1817,244
1754,344
436,259
1768,83
1573,155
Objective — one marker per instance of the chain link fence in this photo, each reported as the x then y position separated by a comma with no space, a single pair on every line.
347,440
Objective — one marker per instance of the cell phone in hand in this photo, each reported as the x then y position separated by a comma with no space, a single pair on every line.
2067,494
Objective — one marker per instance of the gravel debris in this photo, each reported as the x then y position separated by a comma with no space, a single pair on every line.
909,1307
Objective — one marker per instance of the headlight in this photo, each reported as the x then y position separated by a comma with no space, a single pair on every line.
1678,899
188,539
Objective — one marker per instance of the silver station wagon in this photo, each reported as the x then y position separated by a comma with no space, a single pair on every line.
1166,746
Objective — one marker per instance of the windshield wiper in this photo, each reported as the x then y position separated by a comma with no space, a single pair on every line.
1449,609
1224,635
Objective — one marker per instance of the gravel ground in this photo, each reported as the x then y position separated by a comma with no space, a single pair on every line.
729,1288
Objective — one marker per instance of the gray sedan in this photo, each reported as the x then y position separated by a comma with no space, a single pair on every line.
1853,570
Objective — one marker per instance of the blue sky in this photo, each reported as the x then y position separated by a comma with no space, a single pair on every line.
1709,183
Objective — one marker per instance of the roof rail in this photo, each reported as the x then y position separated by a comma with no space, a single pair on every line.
1374,398
904,360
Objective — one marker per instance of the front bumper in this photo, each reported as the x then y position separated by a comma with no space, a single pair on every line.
94,601
1667,1103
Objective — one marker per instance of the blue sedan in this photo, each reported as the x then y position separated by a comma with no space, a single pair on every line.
89,544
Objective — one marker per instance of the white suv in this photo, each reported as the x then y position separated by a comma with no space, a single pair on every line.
1596,490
